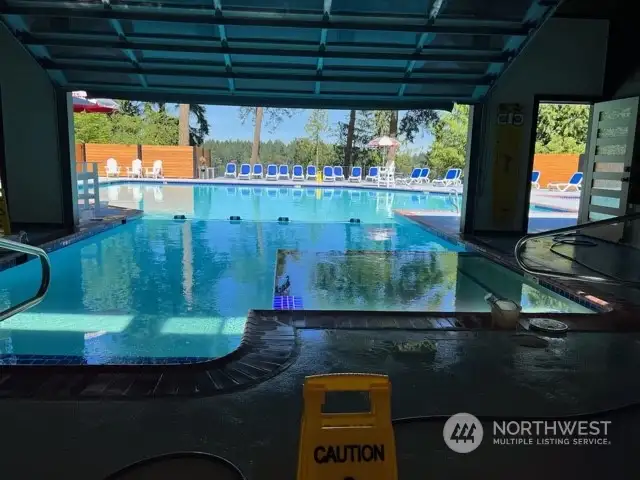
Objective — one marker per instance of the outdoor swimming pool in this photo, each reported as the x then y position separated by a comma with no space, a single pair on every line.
165,289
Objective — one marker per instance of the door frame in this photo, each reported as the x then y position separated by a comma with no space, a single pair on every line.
3,158
548,98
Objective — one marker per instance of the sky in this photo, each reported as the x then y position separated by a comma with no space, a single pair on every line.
225,124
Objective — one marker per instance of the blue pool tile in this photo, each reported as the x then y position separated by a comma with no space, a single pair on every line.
287,303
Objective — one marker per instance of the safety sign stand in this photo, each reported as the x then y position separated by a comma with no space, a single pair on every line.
347,446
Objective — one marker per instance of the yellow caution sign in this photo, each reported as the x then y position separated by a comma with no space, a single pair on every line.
347,446
5,224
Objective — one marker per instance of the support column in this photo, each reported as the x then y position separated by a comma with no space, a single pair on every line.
38,149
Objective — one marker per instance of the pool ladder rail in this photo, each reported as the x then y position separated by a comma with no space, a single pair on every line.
44,281
520,245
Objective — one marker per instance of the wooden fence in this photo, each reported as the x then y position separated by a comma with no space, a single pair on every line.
555,167
177,162
182,162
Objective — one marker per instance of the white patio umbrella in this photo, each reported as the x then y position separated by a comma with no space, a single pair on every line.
384,142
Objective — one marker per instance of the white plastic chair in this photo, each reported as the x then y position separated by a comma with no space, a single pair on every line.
112,168
135,170
338,173
156,170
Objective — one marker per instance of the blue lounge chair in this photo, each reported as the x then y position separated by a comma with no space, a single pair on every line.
575,182
312,172
374,173
327,174
257,170
245,172
413,178
297,173
230,171
283,172
535,179
356,174
424,175
338,174
451,178
272,172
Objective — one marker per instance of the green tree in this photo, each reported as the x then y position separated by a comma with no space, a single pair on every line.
92,128
562,128
449,146
317,125
275,116
413,120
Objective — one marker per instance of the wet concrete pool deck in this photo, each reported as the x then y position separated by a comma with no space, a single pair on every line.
480,372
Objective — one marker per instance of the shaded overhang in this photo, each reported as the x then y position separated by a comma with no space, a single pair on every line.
360,54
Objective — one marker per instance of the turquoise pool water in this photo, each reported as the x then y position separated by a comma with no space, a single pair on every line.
162,288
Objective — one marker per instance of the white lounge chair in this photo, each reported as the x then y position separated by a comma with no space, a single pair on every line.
373,174
230,170
413,178
535,179
312,173
112,169
575,182
257,170
135,170
297,173
327,174
155,171
283,172
451,179
356,174
245,172
272,172
338,173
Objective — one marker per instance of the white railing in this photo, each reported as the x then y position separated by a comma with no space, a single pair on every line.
88,186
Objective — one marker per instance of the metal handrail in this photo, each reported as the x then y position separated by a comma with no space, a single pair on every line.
44,282
573,276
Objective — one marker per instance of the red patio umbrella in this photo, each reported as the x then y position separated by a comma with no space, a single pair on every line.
92,105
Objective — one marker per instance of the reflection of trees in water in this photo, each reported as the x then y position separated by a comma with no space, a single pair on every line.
542,301
370,279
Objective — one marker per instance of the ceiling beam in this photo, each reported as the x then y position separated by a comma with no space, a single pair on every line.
182,72
424,39
106,62
134,11
222,32
128,52
441,55
323,44
252,98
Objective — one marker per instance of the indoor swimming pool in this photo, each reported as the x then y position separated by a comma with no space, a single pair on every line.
163,290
